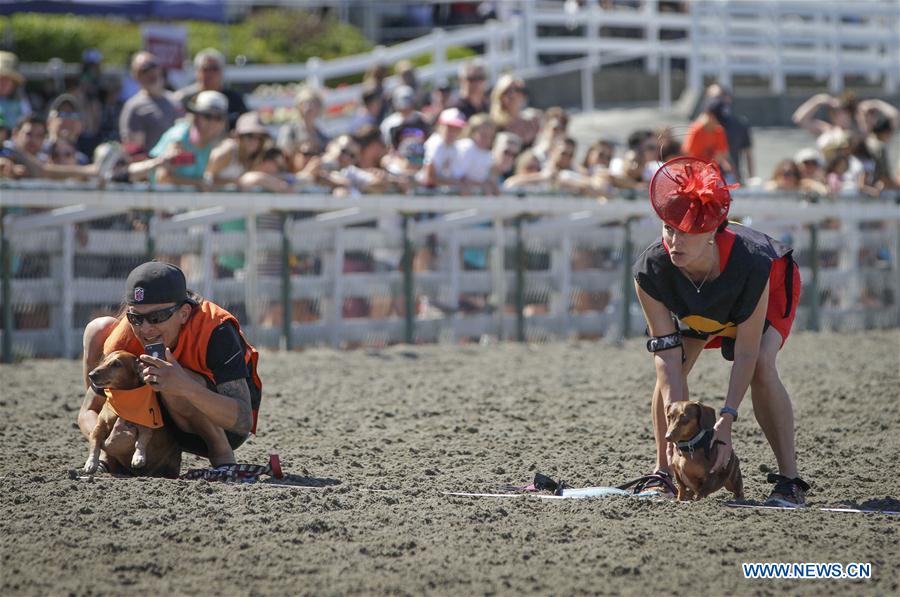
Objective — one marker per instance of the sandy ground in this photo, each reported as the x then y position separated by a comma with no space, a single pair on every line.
380,434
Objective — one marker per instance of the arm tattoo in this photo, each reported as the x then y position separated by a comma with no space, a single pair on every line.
238,391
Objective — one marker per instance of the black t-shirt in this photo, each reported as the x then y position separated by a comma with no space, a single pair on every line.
470,109
225,355
724,302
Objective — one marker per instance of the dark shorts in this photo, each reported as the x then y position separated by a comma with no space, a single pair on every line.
191,442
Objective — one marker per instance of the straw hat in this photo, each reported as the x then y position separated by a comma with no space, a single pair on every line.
9,64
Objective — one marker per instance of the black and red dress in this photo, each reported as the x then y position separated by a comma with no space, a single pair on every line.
747,260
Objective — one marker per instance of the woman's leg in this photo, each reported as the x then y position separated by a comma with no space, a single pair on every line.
772,405
692,349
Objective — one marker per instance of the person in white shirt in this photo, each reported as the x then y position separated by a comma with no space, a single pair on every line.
473,163
440,151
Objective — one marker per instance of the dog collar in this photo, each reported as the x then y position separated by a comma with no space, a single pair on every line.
698,442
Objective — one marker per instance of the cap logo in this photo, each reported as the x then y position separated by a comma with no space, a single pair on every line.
138,294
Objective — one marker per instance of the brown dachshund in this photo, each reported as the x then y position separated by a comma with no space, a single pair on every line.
120,370
690,428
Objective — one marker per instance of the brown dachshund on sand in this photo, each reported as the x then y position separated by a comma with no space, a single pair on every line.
120,370
690,428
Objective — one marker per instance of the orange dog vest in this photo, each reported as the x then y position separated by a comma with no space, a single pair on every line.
193,341
138,406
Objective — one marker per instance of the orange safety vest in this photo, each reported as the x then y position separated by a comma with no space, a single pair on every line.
193,340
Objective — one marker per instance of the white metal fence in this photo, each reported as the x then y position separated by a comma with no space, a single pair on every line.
376,270
827,41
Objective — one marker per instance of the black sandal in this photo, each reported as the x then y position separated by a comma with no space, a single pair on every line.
657,480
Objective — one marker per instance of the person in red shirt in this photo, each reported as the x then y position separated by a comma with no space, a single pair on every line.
706,139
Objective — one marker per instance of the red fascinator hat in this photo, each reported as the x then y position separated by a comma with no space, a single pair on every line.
690,195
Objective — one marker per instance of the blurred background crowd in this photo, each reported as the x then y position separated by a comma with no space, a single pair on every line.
465,137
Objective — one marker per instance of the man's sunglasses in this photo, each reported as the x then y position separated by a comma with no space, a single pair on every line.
153,317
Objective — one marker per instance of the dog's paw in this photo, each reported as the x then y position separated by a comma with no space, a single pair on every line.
138,460
90,467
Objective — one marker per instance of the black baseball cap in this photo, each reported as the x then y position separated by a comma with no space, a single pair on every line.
155,282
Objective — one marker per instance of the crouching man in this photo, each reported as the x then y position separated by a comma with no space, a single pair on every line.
207,382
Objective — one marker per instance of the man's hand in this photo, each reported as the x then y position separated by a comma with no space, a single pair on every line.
167,375
722,443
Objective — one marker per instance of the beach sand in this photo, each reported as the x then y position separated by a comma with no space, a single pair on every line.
378,435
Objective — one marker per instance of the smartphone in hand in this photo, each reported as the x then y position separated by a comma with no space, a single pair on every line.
157,350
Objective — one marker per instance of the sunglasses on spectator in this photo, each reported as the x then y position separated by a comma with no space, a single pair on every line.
479,77
146,68
153,317
69,115
567,154
257,136
790,174
213,117
510,153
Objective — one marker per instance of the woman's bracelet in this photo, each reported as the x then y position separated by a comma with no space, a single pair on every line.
727,410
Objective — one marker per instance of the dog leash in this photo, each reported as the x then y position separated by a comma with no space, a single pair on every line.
236,473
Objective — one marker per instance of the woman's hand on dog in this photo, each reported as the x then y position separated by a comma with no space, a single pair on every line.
722,443
166,375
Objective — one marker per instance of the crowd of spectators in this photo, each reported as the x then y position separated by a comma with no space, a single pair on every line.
472,138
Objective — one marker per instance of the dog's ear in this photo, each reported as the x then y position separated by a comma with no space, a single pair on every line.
707,416
669,407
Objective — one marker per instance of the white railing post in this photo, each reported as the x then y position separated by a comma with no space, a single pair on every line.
724,43
313,76
892,50
695,65
251,276
651,32
207,269
67,275
592,60
498,276
494,40
836,78
439,54
561,264
335,317
453,288
529,25
665,82
777,83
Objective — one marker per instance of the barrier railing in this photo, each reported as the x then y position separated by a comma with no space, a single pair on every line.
306,270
